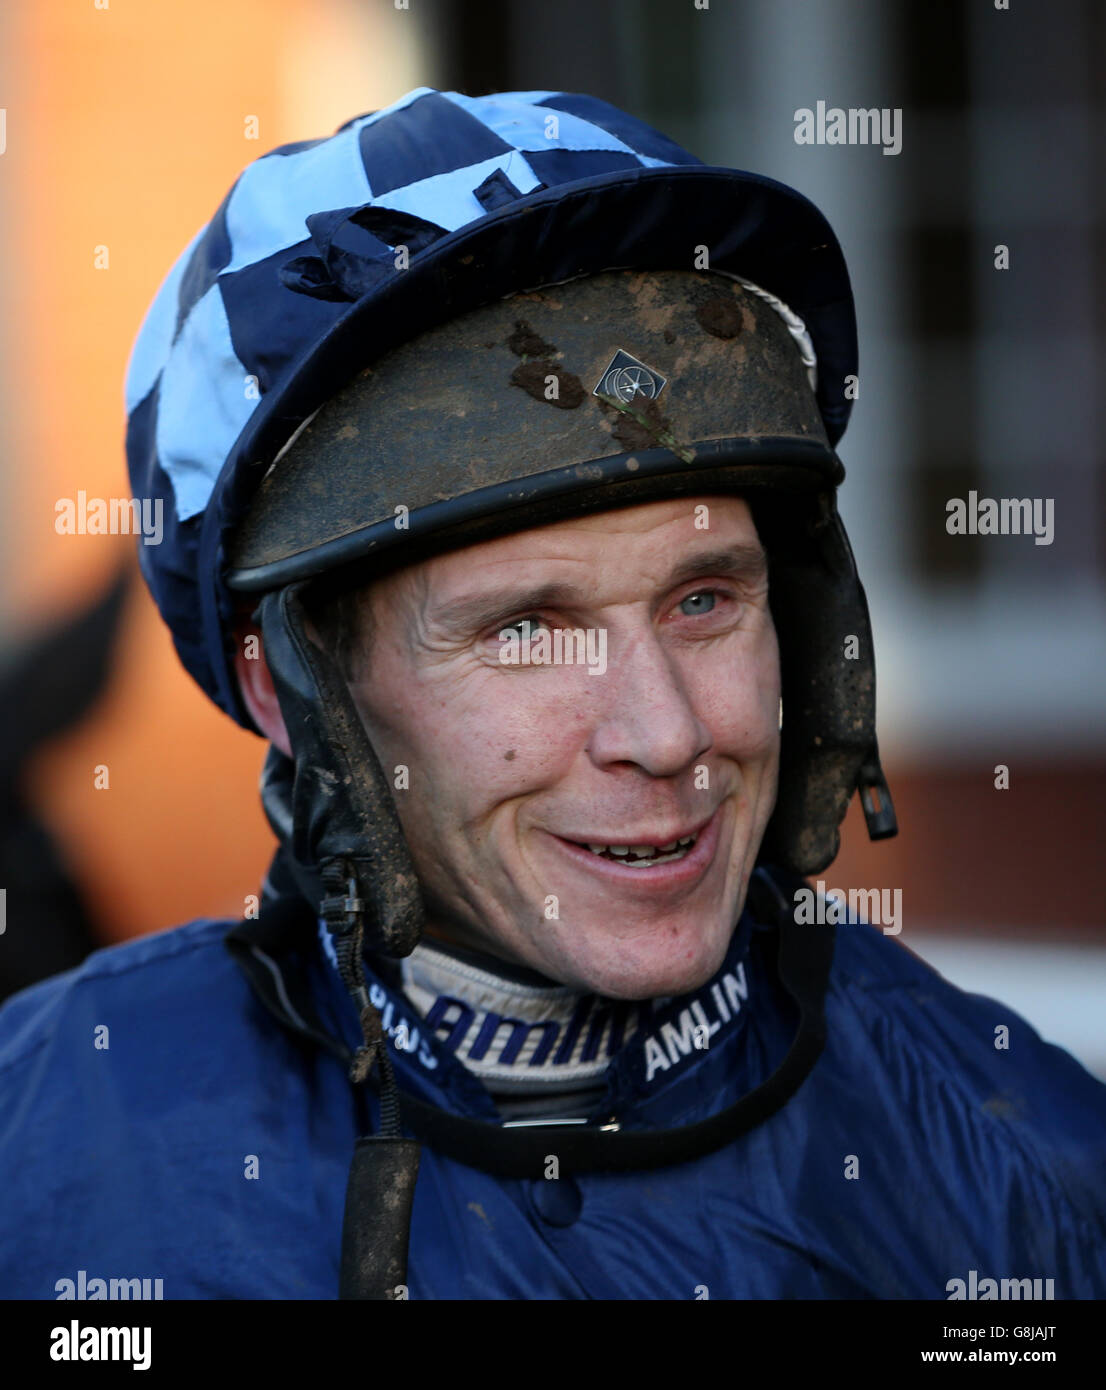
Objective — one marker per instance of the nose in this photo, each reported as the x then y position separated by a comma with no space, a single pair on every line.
648,718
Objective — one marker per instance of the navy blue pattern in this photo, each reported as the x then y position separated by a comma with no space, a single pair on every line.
431,136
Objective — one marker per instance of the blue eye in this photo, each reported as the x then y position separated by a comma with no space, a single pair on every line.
702,603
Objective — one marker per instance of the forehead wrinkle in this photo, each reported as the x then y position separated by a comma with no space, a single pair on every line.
409,589
741,560
479,610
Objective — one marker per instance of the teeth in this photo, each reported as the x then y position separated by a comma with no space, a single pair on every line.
637,856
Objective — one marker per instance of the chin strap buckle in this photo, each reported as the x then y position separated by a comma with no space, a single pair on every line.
342,906
875,797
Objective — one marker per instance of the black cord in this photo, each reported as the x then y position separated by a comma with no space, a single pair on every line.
343,911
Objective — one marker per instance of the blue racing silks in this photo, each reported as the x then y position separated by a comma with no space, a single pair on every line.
158,1122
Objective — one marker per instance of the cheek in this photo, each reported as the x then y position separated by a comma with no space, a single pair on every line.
475,743
737,695
523,731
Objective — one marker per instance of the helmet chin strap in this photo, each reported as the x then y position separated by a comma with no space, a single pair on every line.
337,817
332,810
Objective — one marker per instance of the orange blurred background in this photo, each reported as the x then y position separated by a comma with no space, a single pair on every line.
126,126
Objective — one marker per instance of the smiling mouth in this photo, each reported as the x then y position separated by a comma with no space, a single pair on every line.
657,860
648,854
640,856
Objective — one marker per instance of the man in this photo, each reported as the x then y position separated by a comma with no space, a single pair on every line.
503,505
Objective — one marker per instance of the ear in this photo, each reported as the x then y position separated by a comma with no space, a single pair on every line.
256,684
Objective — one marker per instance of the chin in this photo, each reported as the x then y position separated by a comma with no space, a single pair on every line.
664,961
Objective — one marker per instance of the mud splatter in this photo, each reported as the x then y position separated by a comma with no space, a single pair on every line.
644,428
531,377
720,316
524,342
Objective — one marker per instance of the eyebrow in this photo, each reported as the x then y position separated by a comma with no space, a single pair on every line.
744,562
